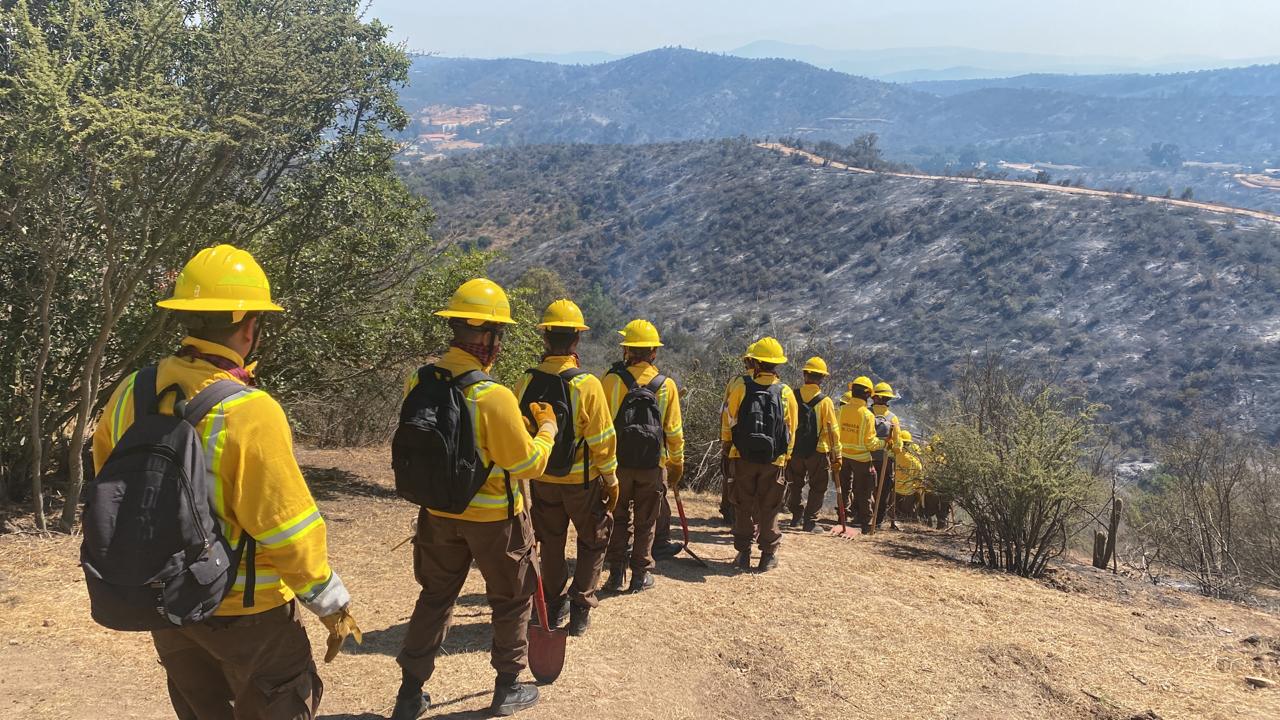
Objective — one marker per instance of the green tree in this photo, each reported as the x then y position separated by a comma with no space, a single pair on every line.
132,133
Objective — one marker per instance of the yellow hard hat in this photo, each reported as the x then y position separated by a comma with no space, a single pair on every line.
885,390
641,334
479,301
222,279
862,381
767,350
905,435
563,314
817,365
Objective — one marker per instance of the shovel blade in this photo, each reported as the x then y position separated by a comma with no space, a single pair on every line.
546,653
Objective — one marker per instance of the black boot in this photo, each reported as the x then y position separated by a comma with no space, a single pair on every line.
556,612
727,513
810,525
640,580
510,696
768,561
743,560
411,702
614,581
579,620
795,522
666,550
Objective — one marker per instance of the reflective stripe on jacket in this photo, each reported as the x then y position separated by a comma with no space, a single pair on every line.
254,483
858,431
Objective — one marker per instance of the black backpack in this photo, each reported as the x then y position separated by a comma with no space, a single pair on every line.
883,426
153,553
554,390
638,422
761,433
433,451
807,428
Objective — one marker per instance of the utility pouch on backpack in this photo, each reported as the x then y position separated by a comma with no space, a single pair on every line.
554,390
153,553
807,429
760,434
433,451
638,422
883,426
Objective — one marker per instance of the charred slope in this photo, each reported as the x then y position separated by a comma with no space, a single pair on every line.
1157,309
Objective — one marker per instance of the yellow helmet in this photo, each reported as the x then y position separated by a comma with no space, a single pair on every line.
767,350
817,365
641,334
862,381
905,435
222,279
884,390
478,302
563,314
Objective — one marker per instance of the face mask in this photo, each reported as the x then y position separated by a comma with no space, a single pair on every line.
486,353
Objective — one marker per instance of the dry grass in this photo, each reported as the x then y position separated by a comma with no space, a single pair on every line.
894,627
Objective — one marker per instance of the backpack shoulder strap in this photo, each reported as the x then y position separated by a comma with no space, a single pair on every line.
656,383
208,398
813,401
144,392
572,373
627,378
471,377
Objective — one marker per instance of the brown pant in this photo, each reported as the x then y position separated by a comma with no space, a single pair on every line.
861,479
757,498
937,507
260,664
887,492
662,531
555,505
814,471
644,489
442,553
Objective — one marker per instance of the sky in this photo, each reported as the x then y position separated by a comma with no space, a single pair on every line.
1141,29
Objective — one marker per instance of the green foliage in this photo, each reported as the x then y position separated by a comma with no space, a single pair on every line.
1009,449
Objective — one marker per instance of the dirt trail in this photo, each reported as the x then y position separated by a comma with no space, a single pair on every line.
1210,207
893,627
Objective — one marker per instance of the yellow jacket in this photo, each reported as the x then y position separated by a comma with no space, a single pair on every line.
895,443
501,439
257,486
592,421
668,407
733,399
907,474
858,431
828,423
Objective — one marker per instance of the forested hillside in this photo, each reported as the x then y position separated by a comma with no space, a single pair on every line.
1255,80
1159,312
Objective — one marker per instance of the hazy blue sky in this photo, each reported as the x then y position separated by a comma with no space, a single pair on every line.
1129,28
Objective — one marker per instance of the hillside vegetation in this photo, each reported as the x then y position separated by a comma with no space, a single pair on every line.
1159,312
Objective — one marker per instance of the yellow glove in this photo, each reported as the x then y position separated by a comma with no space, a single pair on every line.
675,473
611,489
543,415
340,624
528,425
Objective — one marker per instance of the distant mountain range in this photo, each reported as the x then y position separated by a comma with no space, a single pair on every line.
676,94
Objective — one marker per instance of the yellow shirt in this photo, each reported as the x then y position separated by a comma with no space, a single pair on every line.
668,407
896,438
858,431
733,396
501,439
828,423
592,421
907,474
257,486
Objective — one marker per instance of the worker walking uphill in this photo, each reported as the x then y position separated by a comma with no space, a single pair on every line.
459,451
857,441
757,432
889,429
260,540
645,407
817,447
580,485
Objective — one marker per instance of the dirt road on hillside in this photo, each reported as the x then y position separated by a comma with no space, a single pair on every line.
1210,207
895,627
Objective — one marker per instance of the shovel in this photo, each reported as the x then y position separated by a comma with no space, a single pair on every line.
844,530
875,504
546,646
684,526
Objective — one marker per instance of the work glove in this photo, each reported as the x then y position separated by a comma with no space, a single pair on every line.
340,624
543,416
610,484
836,461
528,425
675,473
